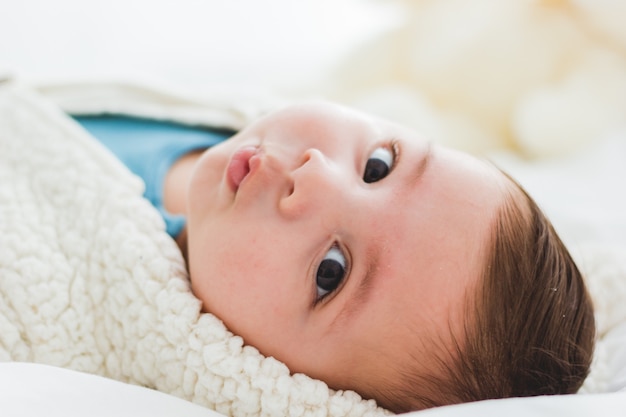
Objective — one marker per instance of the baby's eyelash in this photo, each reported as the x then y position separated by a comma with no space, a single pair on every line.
396,151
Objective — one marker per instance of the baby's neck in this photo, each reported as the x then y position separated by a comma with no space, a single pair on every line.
176,183
175,190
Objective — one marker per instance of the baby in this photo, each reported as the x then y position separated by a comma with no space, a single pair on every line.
360,254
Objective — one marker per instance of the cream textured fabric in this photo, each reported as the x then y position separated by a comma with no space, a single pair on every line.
605,269
89,280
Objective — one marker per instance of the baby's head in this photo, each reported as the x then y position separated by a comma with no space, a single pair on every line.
362,255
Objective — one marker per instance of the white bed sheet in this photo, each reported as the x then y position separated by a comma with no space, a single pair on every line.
34,390
41,390
582,193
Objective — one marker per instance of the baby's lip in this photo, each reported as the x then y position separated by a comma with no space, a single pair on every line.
239,166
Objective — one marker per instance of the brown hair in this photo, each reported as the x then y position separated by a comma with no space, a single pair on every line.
530,326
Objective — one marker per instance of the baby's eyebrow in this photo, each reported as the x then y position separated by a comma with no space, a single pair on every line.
421,166
363,290
373,254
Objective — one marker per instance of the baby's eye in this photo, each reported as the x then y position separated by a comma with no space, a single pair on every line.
331,272
378,165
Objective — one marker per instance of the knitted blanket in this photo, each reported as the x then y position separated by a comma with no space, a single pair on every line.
89,280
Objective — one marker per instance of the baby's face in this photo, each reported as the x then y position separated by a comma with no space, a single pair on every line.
336,242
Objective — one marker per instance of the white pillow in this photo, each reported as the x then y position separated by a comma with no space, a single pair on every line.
33,390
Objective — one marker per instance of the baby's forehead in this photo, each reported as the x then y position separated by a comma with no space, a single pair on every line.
325,111
394,130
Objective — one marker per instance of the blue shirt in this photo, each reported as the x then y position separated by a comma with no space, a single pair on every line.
149,148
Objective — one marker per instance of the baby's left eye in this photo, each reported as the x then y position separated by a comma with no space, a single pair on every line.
331,272
378,165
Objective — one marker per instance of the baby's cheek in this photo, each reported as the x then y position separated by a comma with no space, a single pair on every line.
212,287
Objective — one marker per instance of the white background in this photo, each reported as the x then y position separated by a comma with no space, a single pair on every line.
283,45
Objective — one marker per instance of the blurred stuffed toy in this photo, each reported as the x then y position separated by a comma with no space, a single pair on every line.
539,76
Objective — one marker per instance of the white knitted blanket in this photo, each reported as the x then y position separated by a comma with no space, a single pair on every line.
89,280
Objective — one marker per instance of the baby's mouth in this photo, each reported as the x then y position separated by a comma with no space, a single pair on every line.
239,166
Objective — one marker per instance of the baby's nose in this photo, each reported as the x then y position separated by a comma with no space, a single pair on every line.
315,185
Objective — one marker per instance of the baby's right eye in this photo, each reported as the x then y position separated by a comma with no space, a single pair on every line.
331,272
378,165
